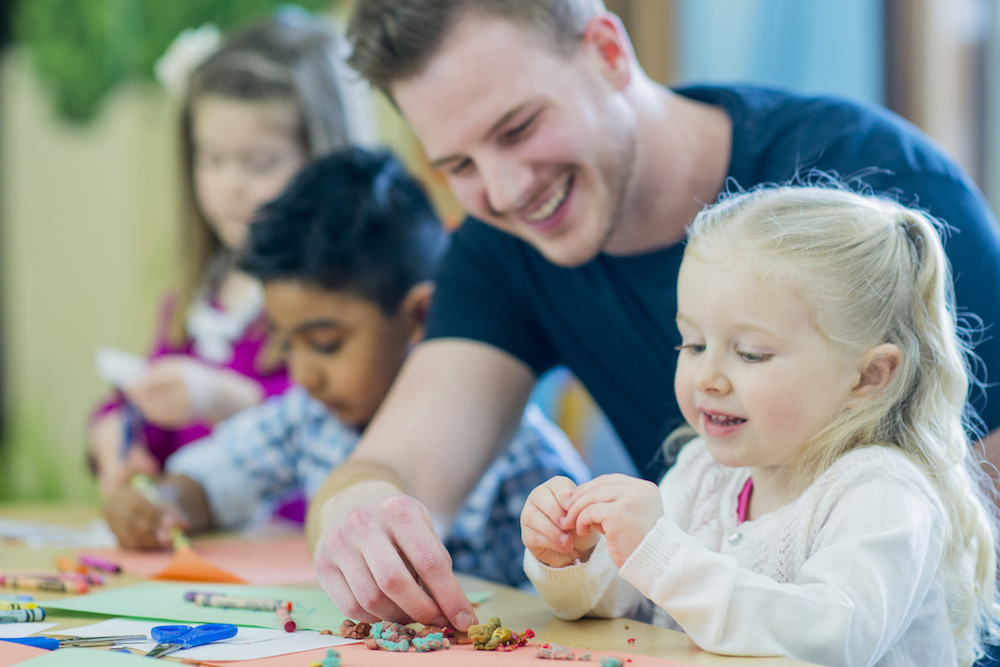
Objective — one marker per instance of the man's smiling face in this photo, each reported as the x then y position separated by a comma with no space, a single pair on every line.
538,144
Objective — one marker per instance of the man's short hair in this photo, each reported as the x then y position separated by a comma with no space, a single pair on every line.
395,39
352,221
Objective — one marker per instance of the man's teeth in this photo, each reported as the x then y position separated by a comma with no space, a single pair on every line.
725,420
549,207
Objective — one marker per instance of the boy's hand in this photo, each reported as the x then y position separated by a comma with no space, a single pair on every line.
541,529
138,523
623,508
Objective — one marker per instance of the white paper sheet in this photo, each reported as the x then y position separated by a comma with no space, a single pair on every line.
248,644
18,630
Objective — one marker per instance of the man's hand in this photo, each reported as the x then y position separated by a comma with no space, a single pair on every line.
381,560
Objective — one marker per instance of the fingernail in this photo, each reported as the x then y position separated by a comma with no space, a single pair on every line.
463,621
564,539
562,522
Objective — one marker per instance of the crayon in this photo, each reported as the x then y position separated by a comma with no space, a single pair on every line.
7,597
43,584
285,618
21,615
5,606
217,600
100,564
68,565
94,579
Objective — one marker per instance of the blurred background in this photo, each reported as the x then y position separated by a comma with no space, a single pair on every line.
89,177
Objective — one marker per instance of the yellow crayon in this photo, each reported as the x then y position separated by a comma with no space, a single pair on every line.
17,605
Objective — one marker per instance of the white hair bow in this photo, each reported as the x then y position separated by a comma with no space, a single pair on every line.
188,50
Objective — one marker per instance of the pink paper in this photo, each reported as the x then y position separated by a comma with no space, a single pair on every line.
281,560
12,653
456,656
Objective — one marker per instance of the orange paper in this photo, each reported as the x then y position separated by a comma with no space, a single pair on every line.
272,561
456,656
12,653
186,565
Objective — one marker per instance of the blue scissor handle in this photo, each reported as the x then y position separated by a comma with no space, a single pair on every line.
188,636
49,643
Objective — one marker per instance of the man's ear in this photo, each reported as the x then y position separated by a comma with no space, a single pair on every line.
607,37
877,368
415,307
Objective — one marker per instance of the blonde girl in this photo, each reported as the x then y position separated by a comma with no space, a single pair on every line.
831,508
254,112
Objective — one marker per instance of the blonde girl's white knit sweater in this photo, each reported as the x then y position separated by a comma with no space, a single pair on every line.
843,575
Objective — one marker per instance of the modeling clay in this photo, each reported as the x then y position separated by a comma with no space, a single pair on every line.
332,659
351,630
554,652
435,641
481,634
608,661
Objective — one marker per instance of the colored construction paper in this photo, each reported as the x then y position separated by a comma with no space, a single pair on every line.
188,565
253,561
456,656
17,630
311,607
478,597
85,657
15,654
248,644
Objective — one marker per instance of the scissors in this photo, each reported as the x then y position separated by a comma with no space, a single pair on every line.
175,637
50,643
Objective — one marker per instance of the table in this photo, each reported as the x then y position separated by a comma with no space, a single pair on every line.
516,608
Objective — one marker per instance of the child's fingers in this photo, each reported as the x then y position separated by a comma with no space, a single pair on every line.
601,490
538,523
133,519
561,489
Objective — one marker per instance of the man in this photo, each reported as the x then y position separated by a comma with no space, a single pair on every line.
580,174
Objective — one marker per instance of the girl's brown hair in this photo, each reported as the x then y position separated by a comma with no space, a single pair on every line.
295,60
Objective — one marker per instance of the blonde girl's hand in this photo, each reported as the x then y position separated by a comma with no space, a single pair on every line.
624,509
540,529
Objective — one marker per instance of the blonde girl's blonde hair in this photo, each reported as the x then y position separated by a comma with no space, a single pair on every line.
873,271
294,59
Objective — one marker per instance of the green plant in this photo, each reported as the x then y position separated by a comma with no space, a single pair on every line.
82,49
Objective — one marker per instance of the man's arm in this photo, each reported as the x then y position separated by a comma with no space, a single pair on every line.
454,403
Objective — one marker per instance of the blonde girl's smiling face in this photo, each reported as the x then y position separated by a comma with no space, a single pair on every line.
755,377
245,153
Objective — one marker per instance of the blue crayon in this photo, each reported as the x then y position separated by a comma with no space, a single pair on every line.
22,615
7,597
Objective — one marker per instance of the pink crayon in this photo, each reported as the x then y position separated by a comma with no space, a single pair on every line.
100,564
285,618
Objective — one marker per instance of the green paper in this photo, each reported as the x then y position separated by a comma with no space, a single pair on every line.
312,609
85,657
478,597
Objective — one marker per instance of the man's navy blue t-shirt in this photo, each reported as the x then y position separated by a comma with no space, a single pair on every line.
611,320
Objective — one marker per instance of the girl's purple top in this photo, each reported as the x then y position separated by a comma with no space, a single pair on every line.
246,351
